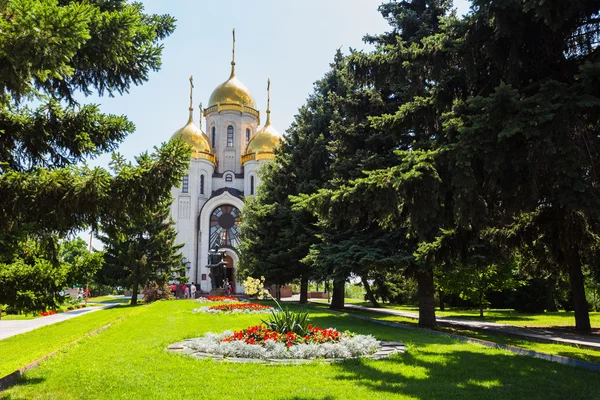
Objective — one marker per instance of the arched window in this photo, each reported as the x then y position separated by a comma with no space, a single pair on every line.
247,135
228,178
252,184
184,187
201,184
214,137
230,136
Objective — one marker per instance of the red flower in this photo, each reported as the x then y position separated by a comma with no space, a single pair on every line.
259,334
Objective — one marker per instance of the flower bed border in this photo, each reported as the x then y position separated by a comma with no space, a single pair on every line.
386,350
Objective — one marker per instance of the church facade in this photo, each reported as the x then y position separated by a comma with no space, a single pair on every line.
223,170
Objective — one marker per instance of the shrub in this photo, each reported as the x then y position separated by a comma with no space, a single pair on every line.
153,292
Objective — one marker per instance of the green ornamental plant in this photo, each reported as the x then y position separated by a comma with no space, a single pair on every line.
281,321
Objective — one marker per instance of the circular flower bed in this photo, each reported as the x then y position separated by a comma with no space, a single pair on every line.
217,299
258,342
237,308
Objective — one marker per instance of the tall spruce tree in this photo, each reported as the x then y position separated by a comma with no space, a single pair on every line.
275,239
528,138
404,114
499,113
49,51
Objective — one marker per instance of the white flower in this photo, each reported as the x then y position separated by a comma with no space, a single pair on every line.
356,346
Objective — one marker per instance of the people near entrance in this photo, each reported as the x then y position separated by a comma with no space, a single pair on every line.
186,292
193,290
226,285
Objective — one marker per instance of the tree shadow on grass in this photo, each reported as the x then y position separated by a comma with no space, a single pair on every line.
22,381
438,367
468,375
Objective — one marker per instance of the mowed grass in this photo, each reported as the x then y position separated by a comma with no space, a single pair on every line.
111,299
130,360
20,317
548,348
510,317
18,351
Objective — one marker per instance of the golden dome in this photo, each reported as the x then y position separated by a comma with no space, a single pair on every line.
265,140
232,91
193,136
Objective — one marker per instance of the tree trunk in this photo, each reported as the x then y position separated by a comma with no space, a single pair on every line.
134,288
481,304
441,296
550,285
370,295
426,291
337,297
278,292
580,305
303,290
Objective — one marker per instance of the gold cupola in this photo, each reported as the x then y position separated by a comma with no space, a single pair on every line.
193,136
232,94
263,143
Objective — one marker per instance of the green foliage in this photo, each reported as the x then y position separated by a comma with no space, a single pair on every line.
275,239
50,50
141,250
354,291
84,264
396,288
284,321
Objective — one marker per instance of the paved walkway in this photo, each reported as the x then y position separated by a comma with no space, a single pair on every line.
15,327
536,334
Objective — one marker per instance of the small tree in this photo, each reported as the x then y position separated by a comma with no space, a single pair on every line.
142,251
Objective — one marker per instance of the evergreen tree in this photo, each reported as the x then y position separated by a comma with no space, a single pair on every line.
275,239
528,137
497,119
401,109
50,50
141,250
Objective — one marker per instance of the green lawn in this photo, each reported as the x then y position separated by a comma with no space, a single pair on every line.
129,360
511,317
20,350
548,348
110,299
13,317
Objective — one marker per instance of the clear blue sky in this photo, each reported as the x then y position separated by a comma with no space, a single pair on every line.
291,42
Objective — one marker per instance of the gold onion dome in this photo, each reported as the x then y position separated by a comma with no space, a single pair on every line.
193,136
232,91
267,139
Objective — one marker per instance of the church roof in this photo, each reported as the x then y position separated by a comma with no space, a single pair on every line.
232,91
193,136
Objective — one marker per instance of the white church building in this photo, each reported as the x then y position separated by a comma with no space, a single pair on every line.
222,171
